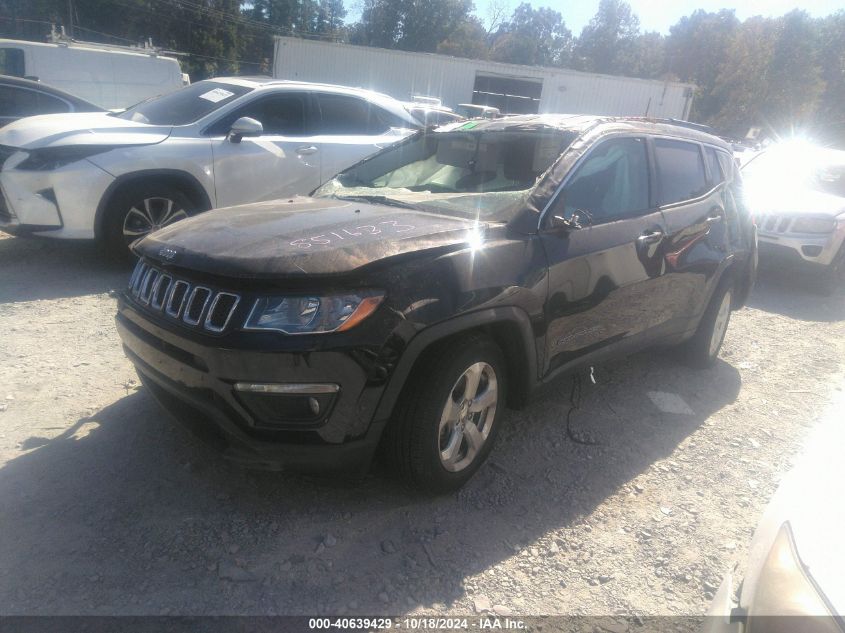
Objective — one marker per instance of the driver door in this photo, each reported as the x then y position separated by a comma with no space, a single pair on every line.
604,277
283,161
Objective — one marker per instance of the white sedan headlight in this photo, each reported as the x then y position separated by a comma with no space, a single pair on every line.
313,314
813,225
785,589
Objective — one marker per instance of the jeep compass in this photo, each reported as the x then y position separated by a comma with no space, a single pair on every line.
414,296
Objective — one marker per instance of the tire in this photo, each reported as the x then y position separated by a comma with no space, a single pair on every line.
702,349
136,211
429,439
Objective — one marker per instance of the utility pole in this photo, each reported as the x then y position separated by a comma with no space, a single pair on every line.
70,18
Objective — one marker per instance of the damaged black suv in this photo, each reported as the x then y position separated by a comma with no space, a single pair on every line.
418,293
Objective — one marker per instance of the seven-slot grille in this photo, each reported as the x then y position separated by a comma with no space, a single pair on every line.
194,305
774,223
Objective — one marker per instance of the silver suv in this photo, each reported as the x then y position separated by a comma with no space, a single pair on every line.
797,194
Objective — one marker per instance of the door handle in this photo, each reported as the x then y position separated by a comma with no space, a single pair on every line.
650,238
305,150
713,219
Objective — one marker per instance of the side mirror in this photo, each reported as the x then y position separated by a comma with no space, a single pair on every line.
559,224
245,127
556,222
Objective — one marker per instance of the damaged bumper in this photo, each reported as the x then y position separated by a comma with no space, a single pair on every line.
51,203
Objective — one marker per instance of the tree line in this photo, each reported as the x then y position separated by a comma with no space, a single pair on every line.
783,73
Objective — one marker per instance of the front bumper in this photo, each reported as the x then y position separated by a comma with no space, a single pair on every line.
803,248
196,383
57,203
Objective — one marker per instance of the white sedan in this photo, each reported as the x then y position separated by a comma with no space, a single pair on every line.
117,176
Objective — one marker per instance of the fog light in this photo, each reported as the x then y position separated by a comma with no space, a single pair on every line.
812,251
287,405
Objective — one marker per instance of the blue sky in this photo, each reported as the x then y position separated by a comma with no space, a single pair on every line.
659,15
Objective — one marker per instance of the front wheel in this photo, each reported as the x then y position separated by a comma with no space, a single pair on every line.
136,212
448,417
702,349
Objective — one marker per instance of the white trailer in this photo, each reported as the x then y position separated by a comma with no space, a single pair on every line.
109,76
510,87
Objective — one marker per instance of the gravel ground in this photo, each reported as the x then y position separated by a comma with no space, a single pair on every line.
108,507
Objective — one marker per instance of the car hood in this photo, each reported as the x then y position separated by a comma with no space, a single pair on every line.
82,128
798,202
302,236
810,499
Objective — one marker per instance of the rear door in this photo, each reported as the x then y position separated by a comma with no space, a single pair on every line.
349,129
604,278
692,203
281,162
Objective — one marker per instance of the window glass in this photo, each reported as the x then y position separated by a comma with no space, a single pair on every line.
727,163
342,114
475,174
186,105
680,171
611,183
282,114
21,102
11,62
717,174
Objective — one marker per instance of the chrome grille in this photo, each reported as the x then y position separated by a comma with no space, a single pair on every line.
178,299
774,223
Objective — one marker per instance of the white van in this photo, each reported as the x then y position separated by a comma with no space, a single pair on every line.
108,76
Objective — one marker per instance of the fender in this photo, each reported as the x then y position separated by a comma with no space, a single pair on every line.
195,186
473,320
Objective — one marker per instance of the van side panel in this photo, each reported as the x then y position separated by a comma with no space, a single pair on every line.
108,78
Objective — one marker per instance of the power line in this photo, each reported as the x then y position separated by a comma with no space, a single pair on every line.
124,39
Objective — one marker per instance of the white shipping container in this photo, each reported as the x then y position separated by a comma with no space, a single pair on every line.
456,80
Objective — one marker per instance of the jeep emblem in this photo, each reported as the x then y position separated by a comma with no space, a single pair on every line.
167,253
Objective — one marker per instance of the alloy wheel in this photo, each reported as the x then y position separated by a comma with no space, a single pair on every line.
150,215
468,416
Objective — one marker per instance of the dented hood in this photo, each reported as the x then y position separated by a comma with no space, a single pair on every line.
83,128
303,236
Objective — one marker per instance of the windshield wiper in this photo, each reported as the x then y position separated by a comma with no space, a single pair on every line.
377,199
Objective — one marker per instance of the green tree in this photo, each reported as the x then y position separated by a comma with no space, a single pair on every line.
608,41
536,37
696,49
742,84
468,40
329,17
831,61
645,57
794,77
410,25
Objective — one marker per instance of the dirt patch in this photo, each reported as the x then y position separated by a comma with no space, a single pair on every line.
107,507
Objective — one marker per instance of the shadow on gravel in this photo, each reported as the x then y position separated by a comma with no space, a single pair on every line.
41,268
127,513
793,294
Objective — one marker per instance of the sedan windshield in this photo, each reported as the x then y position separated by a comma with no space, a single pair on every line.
186,105
479,174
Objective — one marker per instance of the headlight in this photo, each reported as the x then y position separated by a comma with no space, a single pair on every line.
310,314
813,225
785,589
49,158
